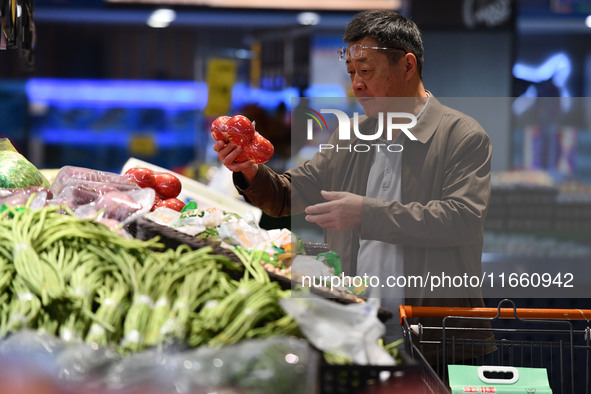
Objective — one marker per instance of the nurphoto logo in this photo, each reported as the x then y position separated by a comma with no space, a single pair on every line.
392,120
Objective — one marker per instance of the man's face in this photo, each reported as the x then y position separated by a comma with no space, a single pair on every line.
372,75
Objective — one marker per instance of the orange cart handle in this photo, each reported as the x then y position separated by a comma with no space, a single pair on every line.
409,311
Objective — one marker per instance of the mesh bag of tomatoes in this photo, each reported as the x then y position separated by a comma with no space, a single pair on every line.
240,130
166,185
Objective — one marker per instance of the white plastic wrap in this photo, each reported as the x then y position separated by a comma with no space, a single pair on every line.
90,179
351,330
257,366
124,207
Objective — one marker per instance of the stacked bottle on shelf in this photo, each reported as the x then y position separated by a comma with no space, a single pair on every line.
533,201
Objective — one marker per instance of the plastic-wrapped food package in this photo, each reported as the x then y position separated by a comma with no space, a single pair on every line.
32,344
16,171
23,375
273,365
242,232
192,222
91,180
20,197
27,363
208,217
150,368
349,330
278,364
121,206
84,364
74,196
6,192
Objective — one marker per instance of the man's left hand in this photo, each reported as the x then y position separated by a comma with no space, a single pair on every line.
342,211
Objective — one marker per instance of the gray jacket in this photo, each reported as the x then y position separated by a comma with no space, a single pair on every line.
445,181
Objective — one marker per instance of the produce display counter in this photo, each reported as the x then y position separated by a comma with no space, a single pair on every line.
97,298
145,229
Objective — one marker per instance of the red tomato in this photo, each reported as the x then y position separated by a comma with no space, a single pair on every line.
219,132
260,150
240,130
172,203
219,129
166,185
242,158
156,201
142,176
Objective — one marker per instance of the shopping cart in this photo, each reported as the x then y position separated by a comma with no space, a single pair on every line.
555,339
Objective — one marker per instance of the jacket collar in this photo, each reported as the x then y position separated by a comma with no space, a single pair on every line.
429,121
425,127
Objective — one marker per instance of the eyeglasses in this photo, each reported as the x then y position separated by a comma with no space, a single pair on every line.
356,51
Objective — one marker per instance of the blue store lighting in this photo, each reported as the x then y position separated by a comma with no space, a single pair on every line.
169,94
179,95
54,136
165,139
557,68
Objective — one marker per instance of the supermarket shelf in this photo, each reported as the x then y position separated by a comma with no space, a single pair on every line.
118,138
570,277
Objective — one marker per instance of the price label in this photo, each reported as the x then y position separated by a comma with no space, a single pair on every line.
142,145
221,75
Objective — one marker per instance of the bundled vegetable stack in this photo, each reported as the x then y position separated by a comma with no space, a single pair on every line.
77,279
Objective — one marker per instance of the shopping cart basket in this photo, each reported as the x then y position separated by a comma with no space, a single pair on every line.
555,339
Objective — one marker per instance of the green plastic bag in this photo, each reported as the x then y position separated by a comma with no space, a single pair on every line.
332,259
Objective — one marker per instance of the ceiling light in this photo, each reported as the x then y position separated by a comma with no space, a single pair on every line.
308,18
161,18
588,21
242,54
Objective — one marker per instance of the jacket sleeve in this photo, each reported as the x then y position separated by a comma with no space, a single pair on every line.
457,218
269,191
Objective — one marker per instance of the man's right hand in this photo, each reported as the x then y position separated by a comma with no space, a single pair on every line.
227,154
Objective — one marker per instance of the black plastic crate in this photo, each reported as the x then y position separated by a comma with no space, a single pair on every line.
410,376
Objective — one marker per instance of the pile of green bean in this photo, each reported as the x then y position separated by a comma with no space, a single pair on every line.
81,281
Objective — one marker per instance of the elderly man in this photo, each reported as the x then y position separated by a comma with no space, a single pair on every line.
419,211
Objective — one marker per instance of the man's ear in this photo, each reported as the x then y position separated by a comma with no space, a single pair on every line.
410,64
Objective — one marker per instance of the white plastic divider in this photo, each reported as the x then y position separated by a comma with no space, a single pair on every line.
204,195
